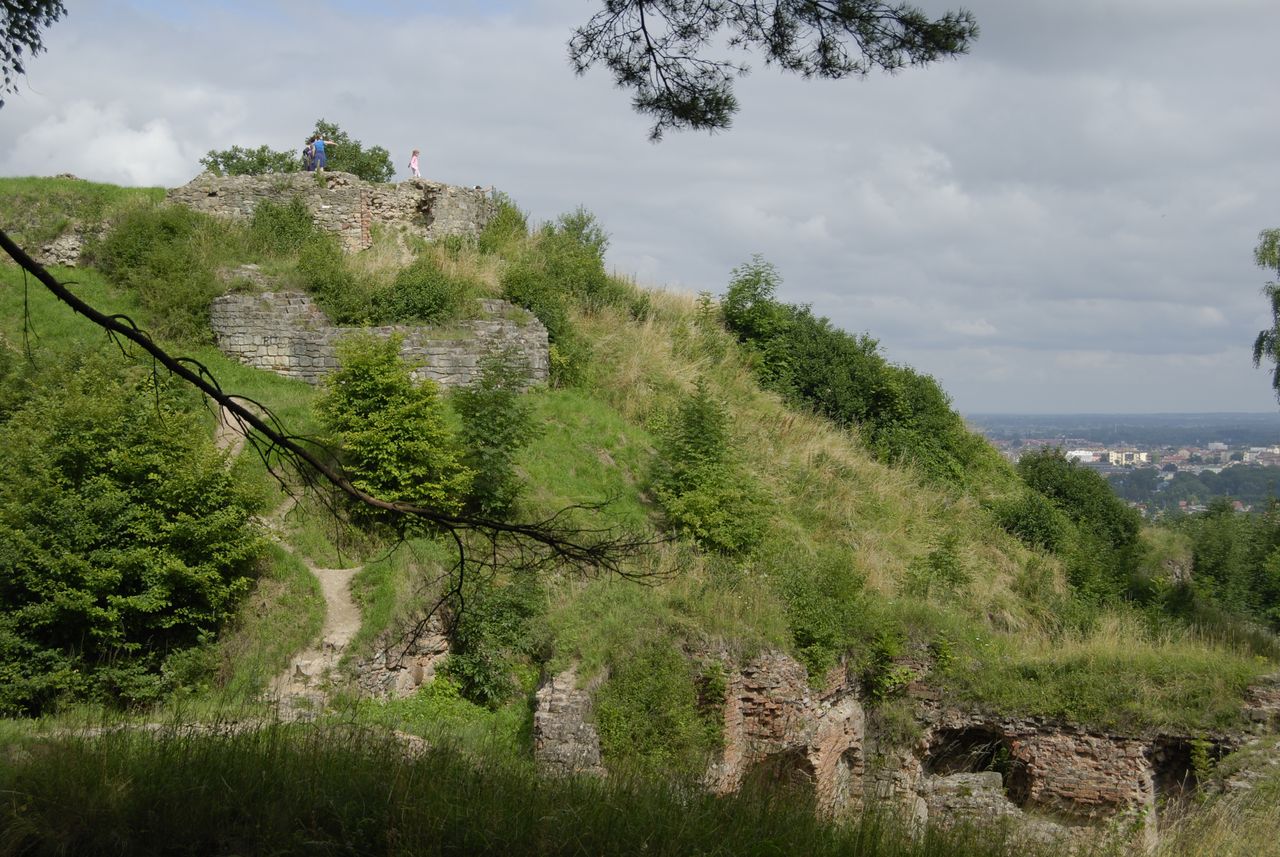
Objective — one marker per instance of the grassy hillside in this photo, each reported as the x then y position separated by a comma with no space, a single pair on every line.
857,558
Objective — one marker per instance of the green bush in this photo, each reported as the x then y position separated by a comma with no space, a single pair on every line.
699,481
168,255
124,542
650,716
391,431
902,416
422,292
827,610
239,161
497,422
508,226
348,155
1031,517
528,286
1101,548
493,625
323,269
940,572
281,230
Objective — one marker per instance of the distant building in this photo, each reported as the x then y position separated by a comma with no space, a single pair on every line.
1217,446
1084,456
1126,457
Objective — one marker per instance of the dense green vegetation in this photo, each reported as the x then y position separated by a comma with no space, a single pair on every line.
901,414
126,544
811,497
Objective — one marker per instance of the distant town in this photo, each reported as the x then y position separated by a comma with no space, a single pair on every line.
1161,464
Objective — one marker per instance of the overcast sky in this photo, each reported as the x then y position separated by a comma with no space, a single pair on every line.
1062,221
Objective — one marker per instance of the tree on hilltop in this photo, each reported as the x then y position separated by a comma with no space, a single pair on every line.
346,155
349,156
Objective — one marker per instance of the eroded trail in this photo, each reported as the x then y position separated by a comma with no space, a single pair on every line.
306,682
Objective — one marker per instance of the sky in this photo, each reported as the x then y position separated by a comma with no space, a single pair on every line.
1062,221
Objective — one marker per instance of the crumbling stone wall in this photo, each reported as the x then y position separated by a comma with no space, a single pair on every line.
399,665
286,333
345,205
564,739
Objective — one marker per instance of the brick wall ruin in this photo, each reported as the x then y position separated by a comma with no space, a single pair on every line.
345,205
286,333
1052,781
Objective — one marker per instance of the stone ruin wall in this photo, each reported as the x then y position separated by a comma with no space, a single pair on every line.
345,205
286,333
1052,781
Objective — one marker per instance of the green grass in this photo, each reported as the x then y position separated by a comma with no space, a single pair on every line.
1118,676
34,211
341,790
280,617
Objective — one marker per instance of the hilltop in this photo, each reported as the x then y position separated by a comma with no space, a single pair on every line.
840,586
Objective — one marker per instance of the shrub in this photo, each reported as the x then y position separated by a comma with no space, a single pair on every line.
493,625
649,715
350,156
827,611
393,437
699,482
239,161
281,229
902,416
1032,518
422,292
939,572
125,542
508,226
497,422
168,256
530,287
324,271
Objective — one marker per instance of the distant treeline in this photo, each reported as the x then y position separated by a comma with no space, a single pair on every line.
1254,485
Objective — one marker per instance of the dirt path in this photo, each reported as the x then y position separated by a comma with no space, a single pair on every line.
304,685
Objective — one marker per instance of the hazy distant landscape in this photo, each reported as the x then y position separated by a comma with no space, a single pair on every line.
1188,429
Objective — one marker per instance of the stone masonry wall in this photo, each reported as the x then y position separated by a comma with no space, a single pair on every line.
345,205
286,333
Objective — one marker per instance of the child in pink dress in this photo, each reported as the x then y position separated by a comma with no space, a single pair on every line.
413,165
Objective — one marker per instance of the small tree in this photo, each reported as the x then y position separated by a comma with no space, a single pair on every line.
391,431
496,423
125,542
698,481
239,161
348,155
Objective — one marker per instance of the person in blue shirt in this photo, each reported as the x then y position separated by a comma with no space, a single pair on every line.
317,147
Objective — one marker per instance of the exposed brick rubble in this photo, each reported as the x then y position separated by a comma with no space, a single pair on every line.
286,333
564,739
345,205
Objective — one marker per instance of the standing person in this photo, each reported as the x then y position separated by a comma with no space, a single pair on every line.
317,144
413,165
309,156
